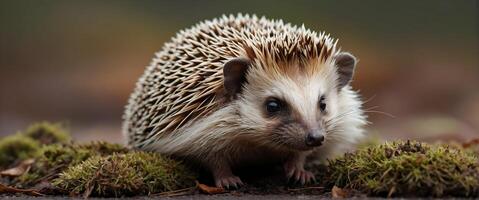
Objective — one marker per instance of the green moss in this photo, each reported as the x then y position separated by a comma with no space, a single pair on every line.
26,144
15,148
53,159
135,173
408,169
48,133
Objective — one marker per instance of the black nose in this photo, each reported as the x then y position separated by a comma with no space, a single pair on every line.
314,138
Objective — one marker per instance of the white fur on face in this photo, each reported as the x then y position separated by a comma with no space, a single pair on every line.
343,121
301,90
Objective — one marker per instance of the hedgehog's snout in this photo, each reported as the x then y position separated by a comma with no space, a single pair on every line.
314,138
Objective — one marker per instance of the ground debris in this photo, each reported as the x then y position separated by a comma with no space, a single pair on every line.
11,190
20,169
338,192
209,190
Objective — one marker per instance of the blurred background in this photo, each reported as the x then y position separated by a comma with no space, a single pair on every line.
77,61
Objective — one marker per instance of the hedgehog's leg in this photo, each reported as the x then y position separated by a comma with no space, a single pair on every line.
223,175
294,168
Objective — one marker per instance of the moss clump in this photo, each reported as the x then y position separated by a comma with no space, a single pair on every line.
71,154
26,144
48,133
135,173
16,147
408,169
53,159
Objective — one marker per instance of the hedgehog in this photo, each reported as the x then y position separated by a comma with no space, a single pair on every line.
240,90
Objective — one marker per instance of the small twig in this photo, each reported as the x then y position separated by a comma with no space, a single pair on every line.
305,188
51,173
176,192
7,189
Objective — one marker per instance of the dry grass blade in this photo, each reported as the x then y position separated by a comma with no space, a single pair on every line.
11,190
305,188
179,192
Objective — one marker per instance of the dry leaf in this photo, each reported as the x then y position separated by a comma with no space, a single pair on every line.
338,192
11,190
210,190
20,169
471,143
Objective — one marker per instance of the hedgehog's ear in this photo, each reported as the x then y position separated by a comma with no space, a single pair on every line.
345,64
234,72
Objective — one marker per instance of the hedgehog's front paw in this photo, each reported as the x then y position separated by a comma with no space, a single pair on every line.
296,173
228,182
224,177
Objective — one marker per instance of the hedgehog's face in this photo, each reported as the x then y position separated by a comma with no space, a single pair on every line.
293,108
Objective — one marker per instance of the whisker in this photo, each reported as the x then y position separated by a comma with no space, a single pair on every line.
381,112
369,99
370,108
337,118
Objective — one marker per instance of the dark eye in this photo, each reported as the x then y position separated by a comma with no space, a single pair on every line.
273,106
322,104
